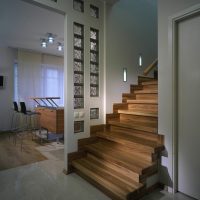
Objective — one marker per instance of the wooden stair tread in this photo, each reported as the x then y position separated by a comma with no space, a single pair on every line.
131,141
111,171
153,82
120,158
99,180
142,101
146,91
130,112
138,126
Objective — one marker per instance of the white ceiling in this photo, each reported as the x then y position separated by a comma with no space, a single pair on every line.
22,25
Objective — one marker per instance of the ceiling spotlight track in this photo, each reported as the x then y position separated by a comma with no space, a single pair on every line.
50,39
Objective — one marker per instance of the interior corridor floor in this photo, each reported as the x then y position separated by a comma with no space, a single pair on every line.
45,181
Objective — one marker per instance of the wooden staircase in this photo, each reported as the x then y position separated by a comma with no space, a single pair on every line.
120,159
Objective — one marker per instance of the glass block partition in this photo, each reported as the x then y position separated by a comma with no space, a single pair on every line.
78,66
94,62
78,5
94,11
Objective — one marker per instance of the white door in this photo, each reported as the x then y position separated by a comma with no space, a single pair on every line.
189,106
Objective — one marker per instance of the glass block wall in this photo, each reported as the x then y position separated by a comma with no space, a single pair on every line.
94,62
78,66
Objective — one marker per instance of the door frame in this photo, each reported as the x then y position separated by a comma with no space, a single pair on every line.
173,59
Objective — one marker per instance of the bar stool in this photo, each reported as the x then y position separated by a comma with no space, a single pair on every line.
27,117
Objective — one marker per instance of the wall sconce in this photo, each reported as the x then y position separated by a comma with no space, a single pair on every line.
124,74
140,60
43,43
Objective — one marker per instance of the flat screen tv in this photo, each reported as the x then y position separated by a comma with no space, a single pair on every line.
1,82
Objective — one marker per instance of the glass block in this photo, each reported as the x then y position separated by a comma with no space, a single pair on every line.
93,34
94,11
78,54
78,66
94,80
78,42
78,29
94,68
94,113
78,5
94,91
78,103
78,126
94,57
93,46
78,90
78,78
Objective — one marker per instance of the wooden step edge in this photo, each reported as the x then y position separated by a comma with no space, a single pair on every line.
133,101
105,186
153,82
118,178
146,114
134,127
146,92
123,174
131,144
113,160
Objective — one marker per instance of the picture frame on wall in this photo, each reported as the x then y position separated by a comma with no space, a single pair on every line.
2,82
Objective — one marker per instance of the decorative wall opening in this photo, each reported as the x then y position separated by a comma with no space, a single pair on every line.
94,113
78,126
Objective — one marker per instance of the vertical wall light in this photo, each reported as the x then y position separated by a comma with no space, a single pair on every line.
140,60
124,74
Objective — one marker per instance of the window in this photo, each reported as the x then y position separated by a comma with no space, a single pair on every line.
15,82
53,82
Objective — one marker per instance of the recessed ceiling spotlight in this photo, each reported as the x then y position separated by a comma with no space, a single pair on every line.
51,37
43,43
60,46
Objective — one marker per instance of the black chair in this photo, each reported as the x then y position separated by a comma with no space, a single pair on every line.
15,122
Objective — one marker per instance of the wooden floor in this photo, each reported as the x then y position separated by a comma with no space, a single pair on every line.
12,156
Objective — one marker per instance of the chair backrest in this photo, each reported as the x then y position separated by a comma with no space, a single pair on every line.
15,106
23,107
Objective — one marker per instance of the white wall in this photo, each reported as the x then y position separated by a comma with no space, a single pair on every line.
7,58
131,29
165,10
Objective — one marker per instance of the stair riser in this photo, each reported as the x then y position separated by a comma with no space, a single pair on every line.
107,191
119,106
143,107
146,96
141,148
144,79
142,129
150,87
138,118
136,153
115,162
123,171
135,87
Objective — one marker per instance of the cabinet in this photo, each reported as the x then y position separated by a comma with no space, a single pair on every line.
52,119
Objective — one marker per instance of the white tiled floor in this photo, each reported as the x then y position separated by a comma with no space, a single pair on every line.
45,181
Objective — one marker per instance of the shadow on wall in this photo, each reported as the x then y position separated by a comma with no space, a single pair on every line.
164,173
